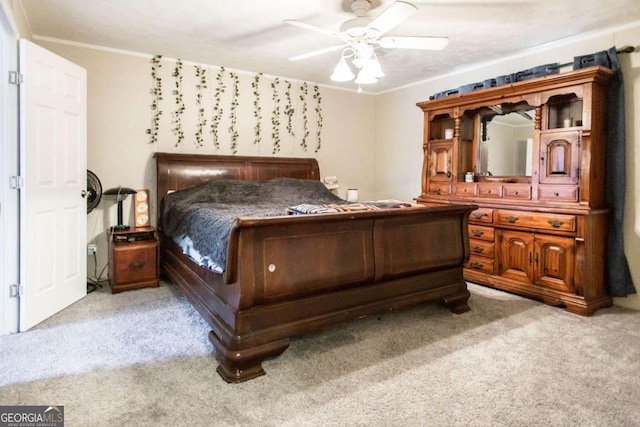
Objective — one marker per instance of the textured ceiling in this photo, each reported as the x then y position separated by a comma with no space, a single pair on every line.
249,35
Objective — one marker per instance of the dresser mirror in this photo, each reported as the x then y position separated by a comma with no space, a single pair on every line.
506,142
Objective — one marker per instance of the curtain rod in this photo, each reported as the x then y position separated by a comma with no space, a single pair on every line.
626,49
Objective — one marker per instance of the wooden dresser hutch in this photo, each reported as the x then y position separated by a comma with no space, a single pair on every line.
540,229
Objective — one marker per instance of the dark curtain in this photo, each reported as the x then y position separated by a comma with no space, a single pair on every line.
618,276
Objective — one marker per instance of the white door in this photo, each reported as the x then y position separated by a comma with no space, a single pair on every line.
53,163
9,272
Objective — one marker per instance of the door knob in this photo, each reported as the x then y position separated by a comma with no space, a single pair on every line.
84,193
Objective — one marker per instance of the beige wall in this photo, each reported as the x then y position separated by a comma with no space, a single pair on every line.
398,158
119,113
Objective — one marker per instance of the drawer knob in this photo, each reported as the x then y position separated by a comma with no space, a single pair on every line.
511,219
555,223
477,249
477,232
479,215
136,265
477,265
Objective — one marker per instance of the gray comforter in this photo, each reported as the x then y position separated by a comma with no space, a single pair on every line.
205,212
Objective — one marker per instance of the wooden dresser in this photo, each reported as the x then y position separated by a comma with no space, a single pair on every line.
531,155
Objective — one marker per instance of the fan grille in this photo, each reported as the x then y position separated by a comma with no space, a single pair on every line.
94,190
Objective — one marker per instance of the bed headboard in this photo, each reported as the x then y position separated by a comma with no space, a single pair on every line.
178,171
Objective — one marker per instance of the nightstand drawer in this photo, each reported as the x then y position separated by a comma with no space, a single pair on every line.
135,262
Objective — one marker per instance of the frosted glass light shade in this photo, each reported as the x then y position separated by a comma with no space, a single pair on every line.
375,68
342,72
366,77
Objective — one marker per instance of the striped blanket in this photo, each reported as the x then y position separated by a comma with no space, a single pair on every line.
306,208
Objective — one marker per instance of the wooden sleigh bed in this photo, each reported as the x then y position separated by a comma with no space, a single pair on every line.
288,275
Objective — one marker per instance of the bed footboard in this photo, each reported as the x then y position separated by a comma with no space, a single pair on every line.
290,275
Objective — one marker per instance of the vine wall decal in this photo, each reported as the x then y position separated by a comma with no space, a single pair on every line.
289,110
275,117
318,98
180,107
201,86
304,90
257,108
233,114
218,111
156,97
210,98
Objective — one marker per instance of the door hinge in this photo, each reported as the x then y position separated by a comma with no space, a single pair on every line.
16,78
16,182
16,291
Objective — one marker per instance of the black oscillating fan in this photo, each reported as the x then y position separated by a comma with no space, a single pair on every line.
93,195
94,191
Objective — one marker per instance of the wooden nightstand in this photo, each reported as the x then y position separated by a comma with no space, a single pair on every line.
133,259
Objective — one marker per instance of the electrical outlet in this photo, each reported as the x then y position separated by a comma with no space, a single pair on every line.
92,249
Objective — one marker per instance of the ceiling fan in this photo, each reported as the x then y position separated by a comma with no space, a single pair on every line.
362,34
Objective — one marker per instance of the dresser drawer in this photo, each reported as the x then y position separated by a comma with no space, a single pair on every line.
481,232
521,192
544,221
135,262
480,264
466,189
440,189
482,248
489,190
484,215
559,193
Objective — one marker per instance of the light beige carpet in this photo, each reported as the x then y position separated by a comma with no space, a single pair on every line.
142,358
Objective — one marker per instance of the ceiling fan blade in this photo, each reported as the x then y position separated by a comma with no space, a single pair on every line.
392,16
311,27
318,52
426,43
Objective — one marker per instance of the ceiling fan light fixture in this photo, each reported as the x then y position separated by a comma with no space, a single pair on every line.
366,77
342,72
376,69
374,66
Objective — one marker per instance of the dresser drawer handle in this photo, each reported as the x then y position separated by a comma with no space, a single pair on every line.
136,265
477,233
555,223
477,249
477,265
479,215
511,219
